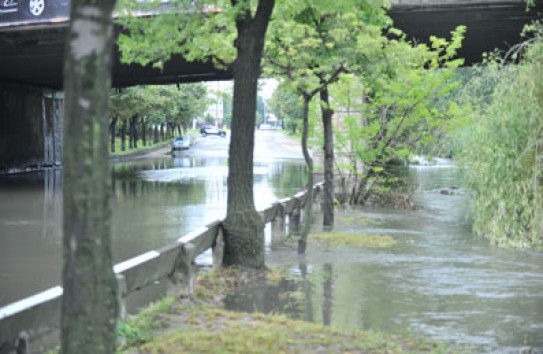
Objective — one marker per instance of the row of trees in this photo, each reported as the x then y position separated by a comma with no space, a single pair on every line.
154,112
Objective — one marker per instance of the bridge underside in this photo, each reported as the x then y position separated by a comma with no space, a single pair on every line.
32,54
491,24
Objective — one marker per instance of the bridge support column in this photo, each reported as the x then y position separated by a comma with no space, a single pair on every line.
30,127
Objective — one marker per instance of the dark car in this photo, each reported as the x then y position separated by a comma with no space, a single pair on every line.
211,130
34,8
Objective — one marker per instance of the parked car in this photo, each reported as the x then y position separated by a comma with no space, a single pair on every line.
211,130
181,143
34,8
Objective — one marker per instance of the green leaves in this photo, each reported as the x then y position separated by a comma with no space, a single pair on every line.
502,148
198,31
311,42
392,102
160,103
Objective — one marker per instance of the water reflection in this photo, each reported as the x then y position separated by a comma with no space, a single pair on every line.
30,233
154,202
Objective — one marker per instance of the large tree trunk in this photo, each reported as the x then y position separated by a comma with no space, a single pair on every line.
243,226
328,195
308,208
89,302
112,128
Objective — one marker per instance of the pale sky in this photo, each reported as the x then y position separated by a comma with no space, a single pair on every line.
266,87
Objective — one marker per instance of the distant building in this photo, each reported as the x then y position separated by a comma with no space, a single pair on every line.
215,109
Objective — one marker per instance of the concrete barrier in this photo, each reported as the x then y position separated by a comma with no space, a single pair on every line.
24,321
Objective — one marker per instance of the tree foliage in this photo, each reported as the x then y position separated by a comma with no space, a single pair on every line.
390,108
176,104
311,43
500,135
286,105
196,30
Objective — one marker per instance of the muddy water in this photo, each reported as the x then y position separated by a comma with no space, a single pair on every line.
437,281
154,202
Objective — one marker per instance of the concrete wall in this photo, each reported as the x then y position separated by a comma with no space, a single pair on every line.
30,127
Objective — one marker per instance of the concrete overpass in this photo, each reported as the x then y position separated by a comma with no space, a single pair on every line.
31,66
32,52
490,23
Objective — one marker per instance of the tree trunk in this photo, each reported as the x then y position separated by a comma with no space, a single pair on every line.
89,302
132,133
243,226
123,136
112,128
162,137
156,135
308,209
143,132
328,195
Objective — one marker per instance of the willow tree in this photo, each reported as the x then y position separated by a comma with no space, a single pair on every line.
230,34
501,145
89,303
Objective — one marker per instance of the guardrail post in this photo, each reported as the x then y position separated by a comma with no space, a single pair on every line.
181,281
294,219
218,249
121,293
317,198
20,345
278,225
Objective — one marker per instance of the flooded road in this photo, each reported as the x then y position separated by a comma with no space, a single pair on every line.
437,281
154,202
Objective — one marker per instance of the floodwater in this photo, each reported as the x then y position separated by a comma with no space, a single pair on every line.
154,202
437,282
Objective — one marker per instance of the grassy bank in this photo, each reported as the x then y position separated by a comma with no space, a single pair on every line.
201,325
140,149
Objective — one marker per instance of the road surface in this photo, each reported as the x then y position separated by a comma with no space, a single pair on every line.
269,144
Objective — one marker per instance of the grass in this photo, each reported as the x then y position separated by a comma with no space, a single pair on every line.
140,148
150,143
355,220
138,329
202,326
214,330
352,239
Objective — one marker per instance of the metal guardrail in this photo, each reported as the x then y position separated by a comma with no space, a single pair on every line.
26,320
